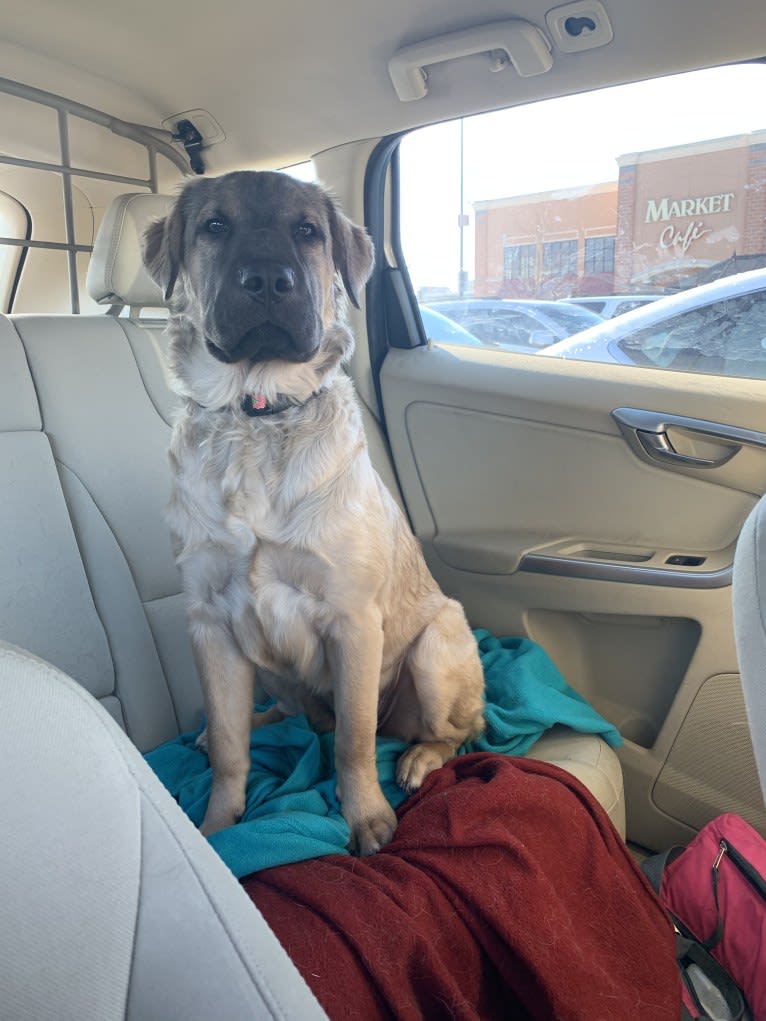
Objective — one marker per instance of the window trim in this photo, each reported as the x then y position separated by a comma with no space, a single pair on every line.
389,294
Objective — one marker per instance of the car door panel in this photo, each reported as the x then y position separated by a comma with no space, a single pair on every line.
502,463
635,513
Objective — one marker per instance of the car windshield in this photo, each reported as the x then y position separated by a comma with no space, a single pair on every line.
572,317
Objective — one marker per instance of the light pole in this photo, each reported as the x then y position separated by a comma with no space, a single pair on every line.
462,222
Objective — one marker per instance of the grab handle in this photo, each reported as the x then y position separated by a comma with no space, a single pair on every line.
512,41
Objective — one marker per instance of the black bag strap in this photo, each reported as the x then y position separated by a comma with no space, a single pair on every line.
690,951
654,866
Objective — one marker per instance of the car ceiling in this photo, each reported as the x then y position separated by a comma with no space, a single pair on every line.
288,80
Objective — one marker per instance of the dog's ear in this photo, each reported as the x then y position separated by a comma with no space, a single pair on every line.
163,248
352,252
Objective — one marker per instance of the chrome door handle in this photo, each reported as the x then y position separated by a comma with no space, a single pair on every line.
659,447
647,433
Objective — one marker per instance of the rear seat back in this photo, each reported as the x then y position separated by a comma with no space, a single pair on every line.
38,549
109,443
86,564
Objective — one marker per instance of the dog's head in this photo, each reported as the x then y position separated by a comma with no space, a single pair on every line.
254,261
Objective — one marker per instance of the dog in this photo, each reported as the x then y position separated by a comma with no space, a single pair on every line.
298,566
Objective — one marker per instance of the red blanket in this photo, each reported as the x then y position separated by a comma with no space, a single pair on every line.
506,893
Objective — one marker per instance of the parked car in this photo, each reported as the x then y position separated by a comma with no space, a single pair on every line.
441,328
718,328
610,305
517,325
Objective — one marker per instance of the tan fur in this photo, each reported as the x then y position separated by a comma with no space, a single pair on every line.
295,558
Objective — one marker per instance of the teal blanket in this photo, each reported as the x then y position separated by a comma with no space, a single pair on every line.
292,812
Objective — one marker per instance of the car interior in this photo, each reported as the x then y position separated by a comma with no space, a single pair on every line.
592,507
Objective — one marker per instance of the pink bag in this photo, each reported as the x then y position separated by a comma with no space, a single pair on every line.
715,890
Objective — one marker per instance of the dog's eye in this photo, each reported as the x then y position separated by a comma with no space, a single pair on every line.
305,231
216,225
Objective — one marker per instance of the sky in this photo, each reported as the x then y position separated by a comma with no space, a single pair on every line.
559,143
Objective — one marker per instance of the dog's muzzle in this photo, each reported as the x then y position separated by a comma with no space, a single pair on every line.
263,343
264,313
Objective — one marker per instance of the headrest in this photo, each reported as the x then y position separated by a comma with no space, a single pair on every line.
116,274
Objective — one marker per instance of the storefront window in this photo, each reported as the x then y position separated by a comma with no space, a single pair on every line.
599,255
559,258
519,261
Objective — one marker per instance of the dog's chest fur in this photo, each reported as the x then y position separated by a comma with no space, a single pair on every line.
270,501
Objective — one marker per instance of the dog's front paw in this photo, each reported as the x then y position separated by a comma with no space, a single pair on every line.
224,808
372,832
419,760
215,821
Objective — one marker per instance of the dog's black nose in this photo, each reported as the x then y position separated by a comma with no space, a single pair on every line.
266,279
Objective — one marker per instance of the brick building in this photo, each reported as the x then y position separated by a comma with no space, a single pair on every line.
671,214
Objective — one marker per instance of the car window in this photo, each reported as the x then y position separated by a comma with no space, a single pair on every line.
497,327
627,306
520,328
596,305
441,329
727,337
302,171
572,318
594,197
15,225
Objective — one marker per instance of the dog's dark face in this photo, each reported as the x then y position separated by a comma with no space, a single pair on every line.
257,257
